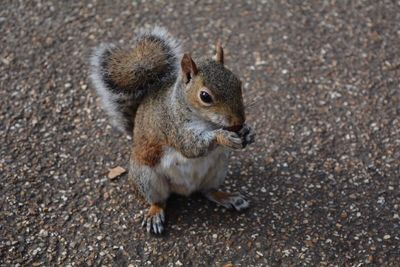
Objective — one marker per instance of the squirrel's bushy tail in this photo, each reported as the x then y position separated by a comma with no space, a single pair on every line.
122,78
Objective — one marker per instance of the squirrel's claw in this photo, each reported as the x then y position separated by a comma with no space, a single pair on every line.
247,134
239,202
229,139
228,200
154,224
154,220
235,141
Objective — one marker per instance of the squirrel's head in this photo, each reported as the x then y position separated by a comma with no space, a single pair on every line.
213,91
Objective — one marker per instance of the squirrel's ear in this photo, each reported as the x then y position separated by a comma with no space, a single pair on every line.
189,68
219,56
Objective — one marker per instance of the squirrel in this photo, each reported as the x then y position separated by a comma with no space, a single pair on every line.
184,119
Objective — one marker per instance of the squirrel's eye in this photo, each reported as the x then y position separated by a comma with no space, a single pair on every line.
205,97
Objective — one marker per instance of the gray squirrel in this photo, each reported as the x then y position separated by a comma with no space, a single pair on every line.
184,118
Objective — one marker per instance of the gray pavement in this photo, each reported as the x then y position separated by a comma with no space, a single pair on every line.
321,80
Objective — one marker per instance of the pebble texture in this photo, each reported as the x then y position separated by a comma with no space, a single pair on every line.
321,81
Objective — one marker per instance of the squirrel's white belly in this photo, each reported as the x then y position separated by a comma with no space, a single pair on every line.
185,175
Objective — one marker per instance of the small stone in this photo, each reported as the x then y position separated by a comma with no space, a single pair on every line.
36,251
115,172
370,259
343,215
214,236
386,237
178,263
338,169
67,85
5,61
49,41
263,189
328,164
43,233
269,160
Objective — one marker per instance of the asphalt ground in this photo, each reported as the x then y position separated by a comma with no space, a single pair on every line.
321,82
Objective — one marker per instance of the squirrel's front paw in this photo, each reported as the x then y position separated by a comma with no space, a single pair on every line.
229,139
247,134
154,219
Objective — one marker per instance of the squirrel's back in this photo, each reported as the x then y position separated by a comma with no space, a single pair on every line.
123,78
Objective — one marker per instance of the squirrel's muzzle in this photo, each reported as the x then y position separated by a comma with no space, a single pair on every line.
235,128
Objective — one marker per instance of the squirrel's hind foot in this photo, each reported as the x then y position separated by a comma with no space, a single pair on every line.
154,219
228,200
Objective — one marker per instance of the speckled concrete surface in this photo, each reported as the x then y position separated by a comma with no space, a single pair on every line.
321,79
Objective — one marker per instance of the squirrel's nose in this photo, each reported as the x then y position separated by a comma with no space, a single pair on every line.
235,123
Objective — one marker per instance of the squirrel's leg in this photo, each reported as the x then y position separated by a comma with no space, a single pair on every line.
154,190
228,200
215,179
